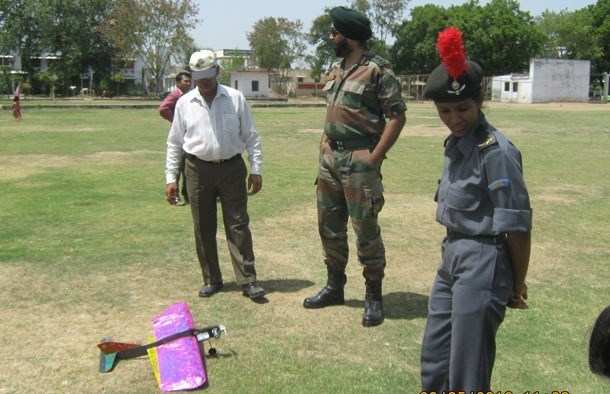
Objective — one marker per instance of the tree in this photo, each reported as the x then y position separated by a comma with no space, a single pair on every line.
385,15
49,78
155,31
501,37
65,28
324,54
414,51
498,35
276,42
600,13
569,35
71,30
118,79
20,30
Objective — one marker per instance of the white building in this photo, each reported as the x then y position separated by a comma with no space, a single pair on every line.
252,83
548,80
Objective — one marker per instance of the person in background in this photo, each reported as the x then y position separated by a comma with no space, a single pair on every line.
166,110
484,205
16,107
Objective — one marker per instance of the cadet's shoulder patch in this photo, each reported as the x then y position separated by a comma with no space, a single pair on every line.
489,140
498,184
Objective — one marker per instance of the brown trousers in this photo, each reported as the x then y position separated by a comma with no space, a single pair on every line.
227,181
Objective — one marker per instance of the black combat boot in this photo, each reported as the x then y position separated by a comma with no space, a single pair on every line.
331,294
373,304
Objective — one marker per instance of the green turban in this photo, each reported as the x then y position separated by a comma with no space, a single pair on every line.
351,23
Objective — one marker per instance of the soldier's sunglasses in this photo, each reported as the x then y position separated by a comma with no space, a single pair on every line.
333,32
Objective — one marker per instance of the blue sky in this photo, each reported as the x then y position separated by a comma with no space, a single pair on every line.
225,23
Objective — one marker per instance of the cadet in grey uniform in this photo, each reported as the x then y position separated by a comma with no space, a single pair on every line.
483,202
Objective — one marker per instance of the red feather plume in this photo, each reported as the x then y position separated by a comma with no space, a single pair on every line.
451,49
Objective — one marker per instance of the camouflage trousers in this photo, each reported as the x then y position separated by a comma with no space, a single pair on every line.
348,187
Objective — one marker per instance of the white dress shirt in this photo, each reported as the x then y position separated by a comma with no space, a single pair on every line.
212,133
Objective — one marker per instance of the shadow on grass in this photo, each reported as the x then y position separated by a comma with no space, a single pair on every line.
399,305
275,285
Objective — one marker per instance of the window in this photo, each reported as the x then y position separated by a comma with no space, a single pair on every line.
6,61
300,79
236,84
255,86
507,86
515,86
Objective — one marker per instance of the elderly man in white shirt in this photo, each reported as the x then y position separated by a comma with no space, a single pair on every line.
212,126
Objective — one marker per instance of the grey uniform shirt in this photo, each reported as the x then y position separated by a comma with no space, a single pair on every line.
482,191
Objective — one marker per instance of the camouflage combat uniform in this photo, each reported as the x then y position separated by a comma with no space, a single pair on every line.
359,100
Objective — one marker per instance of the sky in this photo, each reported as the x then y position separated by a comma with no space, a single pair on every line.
224,24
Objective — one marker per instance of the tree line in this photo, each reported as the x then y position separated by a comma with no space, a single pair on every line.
498,34
100,35
105,35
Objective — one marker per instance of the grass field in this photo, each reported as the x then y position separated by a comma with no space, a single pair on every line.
89,248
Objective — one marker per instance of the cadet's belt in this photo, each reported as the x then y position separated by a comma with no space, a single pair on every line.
497,239
195,158
353,144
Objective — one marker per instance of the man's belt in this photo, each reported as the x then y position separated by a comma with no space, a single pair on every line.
497,239
351,144
195,158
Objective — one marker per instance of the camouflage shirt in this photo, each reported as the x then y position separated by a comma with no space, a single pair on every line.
360,98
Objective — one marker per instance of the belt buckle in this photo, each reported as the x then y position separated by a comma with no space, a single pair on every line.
339,145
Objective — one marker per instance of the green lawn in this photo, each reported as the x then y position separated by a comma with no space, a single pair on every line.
89,249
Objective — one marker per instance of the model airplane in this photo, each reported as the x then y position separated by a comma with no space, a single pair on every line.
175,355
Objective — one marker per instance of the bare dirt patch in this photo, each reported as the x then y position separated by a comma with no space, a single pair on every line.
311,131
51,129
22,166
561,194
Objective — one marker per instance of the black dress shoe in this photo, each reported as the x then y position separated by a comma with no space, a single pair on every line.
208,290
253,291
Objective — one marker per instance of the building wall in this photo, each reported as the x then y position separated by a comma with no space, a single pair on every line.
244,84
560,80
511,89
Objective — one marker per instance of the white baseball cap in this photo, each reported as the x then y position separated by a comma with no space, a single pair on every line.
203,64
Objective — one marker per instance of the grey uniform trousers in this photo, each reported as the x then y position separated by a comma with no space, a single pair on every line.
227,181
465,309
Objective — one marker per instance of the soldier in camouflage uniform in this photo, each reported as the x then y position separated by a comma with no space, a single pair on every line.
364,118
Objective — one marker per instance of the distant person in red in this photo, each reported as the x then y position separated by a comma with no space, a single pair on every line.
16,104
166,110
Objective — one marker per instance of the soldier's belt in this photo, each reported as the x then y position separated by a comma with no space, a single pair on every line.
353,144
497,239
